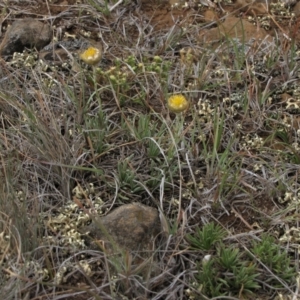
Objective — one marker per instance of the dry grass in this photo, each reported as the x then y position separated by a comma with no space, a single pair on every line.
232,159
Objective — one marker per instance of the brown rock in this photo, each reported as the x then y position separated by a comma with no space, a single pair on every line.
28,33
210,16
131,226
296,9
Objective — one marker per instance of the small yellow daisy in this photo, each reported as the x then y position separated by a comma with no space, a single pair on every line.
178,103
91,56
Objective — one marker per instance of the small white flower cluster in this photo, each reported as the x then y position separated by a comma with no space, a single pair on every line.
251,142
35,269
293,105
59,276
86,268
86,33
281,9
292,236
65,224
263,21
291,196
4,244
234,102
206,111
257,167
27,60
68,268
190,293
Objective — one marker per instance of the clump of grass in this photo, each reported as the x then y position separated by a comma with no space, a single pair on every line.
224,270
228,271
206,238
238,280
274,258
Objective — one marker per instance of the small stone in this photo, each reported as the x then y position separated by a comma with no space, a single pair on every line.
24,33
131,226
296,10
210,16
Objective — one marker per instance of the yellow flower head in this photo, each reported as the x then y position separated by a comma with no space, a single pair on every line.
178,103
91,55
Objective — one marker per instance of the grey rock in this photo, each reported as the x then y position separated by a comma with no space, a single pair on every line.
131,227
28,33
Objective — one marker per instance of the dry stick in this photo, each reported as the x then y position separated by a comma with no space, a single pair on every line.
89,144
285,35
114,6
111,149
241,218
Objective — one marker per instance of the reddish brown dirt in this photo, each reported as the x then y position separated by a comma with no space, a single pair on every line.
228,20
218,20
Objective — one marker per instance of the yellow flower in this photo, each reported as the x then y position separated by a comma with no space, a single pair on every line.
178,103
91,55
